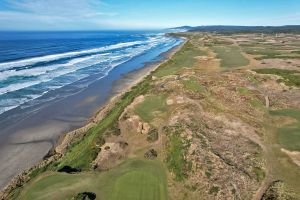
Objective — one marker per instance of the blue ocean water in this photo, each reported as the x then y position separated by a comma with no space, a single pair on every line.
34,63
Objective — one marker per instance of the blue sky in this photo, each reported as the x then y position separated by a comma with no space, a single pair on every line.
143,14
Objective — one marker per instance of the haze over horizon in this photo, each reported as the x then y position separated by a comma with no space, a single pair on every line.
134,14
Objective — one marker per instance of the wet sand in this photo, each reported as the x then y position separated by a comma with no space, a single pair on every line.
25,141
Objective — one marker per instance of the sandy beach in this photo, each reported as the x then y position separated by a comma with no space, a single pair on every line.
27,141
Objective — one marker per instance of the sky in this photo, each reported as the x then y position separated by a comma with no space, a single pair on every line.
143,14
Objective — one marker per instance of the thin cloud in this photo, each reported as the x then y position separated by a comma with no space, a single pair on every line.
73,12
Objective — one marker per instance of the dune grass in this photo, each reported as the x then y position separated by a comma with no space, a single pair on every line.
151,107
290,77
230,56
135,179
84,151
289,136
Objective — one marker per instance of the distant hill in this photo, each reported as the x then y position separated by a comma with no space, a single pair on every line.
243,29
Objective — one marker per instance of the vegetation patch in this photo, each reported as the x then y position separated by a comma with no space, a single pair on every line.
193,85
85,196
260,173
243,90
152,135
230,56
175,155
289,77
278,190
255,103
214,190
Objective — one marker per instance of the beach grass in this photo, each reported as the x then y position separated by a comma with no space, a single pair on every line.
134,179
230,56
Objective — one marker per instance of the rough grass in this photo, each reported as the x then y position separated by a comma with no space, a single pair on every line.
151,107
230,56
185,58
193,85
133,180
176,162
289,136
290,77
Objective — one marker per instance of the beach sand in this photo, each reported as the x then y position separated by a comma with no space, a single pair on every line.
29,140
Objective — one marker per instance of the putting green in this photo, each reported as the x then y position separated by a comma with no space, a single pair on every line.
134,179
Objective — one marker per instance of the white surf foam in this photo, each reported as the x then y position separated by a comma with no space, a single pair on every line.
30,61
106,63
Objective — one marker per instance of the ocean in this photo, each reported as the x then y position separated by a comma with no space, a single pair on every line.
34,63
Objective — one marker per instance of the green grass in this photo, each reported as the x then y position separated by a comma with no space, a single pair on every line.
269,52
297,52
133,180
243,90
266,52
214,190
84,151
230,56
151,107
176,162
260,173
185,58
255,103
281,56
193,85
290,77
289,136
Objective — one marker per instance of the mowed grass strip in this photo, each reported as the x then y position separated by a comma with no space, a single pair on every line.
289,135
185,58
230,56
133,180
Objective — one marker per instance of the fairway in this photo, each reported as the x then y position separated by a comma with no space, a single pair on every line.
230,56
134,179
185,58
289,135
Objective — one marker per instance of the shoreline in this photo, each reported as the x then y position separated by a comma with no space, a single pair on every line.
119,88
